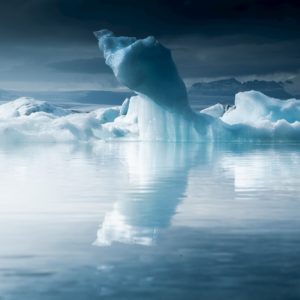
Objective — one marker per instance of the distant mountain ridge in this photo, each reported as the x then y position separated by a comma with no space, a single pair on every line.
223,91
64,97
227,87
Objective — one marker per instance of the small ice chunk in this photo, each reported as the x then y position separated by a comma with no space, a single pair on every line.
124,107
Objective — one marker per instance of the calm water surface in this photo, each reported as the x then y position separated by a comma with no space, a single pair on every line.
150,221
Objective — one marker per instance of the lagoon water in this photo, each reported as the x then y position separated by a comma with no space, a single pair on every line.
129,220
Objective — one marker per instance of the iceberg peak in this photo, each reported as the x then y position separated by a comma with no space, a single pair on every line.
146,67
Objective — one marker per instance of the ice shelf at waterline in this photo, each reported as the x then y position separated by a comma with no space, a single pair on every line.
160,110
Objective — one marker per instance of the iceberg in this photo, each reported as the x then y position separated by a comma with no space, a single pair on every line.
147,68
29,120
254,107
159,111
162,108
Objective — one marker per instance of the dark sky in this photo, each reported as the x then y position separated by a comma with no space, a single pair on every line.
48,44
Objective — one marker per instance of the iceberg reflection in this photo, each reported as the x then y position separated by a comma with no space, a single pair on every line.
158,175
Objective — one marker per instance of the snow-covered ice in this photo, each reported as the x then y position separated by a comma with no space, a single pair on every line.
254,107
25,106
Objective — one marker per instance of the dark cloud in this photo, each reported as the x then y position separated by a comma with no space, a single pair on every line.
206,59
208,38
68,19
95,65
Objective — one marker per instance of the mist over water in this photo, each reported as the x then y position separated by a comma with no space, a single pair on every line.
132,220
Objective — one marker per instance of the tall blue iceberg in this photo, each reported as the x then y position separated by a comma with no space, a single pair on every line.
146,67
